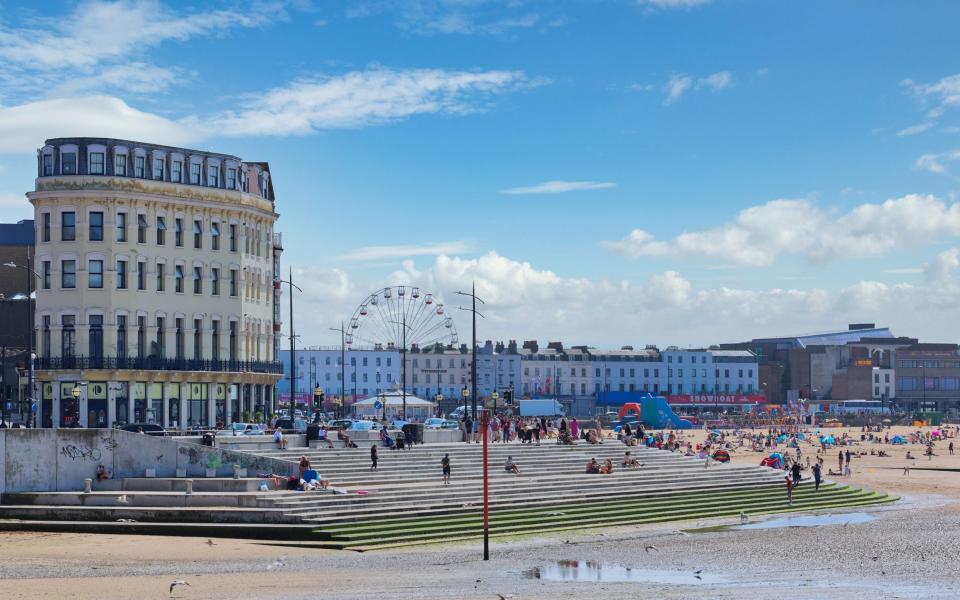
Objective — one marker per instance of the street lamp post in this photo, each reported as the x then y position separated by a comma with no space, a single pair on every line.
473,367
466,394
439,399
293,351
343,365
317,402
495,396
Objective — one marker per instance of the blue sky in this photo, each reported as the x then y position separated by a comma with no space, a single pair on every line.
609,172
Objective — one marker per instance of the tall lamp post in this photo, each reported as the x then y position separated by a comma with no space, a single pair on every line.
343,365
293,351
494,396
473,367
439,399
466,394
403,355
30,327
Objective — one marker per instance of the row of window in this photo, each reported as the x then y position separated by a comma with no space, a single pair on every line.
232,177
929,384
95,231
143,347
353,361
633,372
930,364
68,277
563,389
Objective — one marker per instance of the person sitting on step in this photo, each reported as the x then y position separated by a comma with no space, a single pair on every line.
510,466
593,466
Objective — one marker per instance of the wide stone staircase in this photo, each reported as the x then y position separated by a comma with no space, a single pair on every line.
405,502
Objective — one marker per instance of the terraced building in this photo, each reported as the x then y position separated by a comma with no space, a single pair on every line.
156,298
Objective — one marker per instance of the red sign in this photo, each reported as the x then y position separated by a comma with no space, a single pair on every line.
711,399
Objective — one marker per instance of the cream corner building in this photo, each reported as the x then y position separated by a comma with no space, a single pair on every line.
157,298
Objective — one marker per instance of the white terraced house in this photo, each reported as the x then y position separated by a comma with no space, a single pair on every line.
158,285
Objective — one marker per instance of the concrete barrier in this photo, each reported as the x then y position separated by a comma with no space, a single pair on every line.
48,460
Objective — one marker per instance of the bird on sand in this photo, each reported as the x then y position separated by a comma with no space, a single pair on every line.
123,499
211,543
650,547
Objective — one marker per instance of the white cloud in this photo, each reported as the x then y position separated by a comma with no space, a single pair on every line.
760,234
942,268
675,88
23,128
361,98
461,17
368,253
136,77
526,302
915,129
559,187
937,162
97,31
678,85
939,96
716,82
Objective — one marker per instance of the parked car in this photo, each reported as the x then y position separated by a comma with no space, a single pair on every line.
366,426
398,423
247,429
434,423
450,424
148,428
298,425
337,423
457,413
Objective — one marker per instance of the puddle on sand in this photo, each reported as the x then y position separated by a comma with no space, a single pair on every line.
809,521
589,570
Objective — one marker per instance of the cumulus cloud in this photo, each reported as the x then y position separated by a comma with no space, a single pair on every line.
760,234
361,98
675,88
527,302
716,82
559,187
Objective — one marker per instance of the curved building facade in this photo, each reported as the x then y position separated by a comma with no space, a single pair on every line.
157,290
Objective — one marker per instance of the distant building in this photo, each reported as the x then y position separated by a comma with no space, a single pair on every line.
367,372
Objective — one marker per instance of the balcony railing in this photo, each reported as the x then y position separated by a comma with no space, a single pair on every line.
158,364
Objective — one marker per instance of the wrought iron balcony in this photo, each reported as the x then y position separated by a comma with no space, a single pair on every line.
157,364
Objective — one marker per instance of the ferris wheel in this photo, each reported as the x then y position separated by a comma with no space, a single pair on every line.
386,315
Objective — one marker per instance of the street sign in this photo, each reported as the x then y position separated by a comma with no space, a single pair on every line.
9,405
33,407
378,405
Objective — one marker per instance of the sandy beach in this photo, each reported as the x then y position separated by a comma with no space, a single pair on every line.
902,550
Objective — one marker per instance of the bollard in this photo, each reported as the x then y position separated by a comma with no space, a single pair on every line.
87,486
189,486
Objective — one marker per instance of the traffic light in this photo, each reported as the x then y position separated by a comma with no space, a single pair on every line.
508,396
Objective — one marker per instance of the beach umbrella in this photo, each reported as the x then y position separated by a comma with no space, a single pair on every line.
721,456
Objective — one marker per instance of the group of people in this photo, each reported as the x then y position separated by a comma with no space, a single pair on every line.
531,430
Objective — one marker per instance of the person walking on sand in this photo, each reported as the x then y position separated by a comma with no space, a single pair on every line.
445,464
840,468
373,457
950,448
816,476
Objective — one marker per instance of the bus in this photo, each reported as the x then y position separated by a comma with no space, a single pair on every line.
848,407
